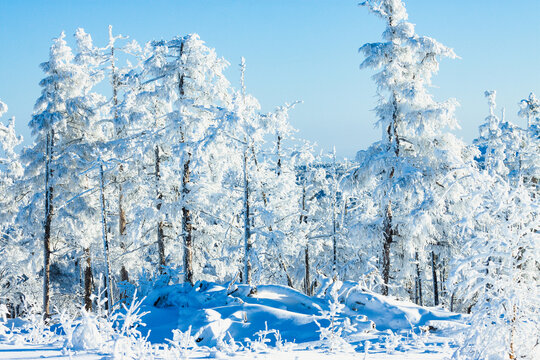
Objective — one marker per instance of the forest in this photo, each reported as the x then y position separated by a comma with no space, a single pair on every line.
176,183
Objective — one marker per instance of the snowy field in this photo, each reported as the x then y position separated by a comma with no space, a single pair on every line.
51,352
238,321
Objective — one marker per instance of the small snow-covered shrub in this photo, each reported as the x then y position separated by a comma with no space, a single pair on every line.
332,336
35,330
67,321
4,330
182,343
228,346
260,344
86,335
116,333
391,341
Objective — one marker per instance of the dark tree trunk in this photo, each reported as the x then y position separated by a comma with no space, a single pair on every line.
122,222
418,300
105,238
160,235
388,239
278,155
124,275
289,279
307,277
187,226
88,281
247,225
388,227
49,212
434,275
334,243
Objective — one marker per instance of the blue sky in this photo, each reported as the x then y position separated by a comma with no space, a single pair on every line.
296,50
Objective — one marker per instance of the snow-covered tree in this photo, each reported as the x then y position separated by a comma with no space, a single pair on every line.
414,171
182,90
498,272
62,125
501,144
530,111
12,250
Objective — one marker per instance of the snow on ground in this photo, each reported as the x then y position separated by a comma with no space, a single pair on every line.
35,352
265,322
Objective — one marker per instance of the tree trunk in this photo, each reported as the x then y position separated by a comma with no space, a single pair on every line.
115,84
186,225
303,219
388,227
49,212
124,277
334,242
88,281
160,225
278,150
104,234
307,277
512,354
418,300
388,239
434,275
247,226
289,279
121,213
334,220
122,222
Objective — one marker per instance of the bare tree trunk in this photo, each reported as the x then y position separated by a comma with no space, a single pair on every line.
334,221
108,276
186,225
124,277
49,212
115,84
278,155
303,219
247,226
160,235
88,281
434,275
307,277
388,226
512,354
289,279
388,239
122,222
334,241
418,300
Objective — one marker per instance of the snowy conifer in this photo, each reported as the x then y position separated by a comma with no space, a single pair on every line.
417,163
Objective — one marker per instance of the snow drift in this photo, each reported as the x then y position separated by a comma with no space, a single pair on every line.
220,312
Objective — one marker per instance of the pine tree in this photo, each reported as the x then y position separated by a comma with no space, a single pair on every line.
530,111
12,250
60,157
183,88
417,163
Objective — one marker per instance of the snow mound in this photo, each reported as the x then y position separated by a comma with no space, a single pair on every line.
86,335
217,312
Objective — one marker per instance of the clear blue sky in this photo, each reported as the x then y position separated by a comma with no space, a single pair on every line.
296,50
